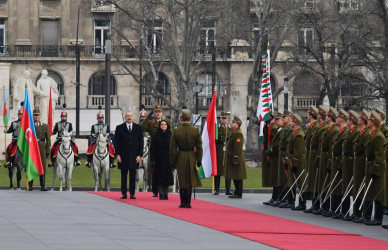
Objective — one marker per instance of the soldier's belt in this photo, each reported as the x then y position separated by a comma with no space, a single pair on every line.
336,154
359,154
186,149
347,154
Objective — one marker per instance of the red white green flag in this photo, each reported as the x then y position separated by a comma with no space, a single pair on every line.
209,134
265,105
28,143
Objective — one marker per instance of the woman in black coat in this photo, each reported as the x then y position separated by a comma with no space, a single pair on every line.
160,159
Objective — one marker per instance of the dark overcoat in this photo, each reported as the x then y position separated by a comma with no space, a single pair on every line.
235,160
160,158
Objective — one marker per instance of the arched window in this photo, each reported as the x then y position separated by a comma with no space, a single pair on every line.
162,86
306,84
57,78
206,80
97,83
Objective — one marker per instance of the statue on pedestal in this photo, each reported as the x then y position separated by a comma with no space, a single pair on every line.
19,92
42,90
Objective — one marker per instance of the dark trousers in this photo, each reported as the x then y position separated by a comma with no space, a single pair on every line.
228,183
153,183
345,205
42,181
238,184
335,201
217,180
132,175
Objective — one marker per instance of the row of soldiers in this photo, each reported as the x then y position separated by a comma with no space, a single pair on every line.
338,154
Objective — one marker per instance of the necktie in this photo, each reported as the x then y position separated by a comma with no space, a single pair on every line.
129,128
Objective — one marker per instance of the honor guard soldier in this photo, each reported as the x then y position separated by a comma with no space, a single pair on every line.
266,170
151,125
224,131
143,115
185,152
235,160
375,168
63,125
12,147
96,129
44,141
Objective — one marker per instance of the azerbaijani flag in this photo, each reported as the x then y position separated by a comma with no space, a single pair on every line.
5,110
50,116
27,142
265,104
209,133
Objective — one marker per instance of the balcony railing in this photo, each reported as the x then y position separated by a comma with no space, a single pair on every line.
304,102
99,100
149,101
204,102
102,6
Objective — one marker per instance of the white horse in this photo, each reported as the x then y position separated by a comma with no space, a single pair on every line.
142,171
64,162
101,162
16,170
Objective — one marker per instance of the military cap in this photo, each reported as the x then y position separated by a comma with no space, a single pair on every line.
36,111
158,108
343,114
375,118
297,119
279,115
332,113
287,113
323,110
364,115
186,113
237,120
225,114
381,113
353,116
313,110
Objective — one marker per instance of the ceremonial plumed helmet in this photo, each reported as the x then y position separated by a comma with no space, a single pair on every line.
64,113
100,114
143,112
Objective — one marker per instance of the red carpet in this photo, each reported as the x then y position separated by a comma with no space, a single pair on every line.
262,228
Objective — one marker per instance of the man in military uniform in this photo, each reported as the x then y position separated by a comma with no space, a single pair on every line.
59,128
297,158
375,167
359,164
143,115
268,131
284,174
44,141
12,147
185,151
235,160
151,125
224,131
273,154
99,127
347,161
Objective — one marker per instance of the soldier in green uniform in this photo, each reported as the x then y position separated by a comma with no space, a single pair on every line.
297,158
347,160
151,126
310,154
235,160
44,141
288,202
375,166
336,163
315,157
224,131
325,160
359,163
273,154
185,151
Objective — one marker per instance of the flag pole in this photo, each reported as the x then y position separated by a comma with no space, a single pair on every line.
214,91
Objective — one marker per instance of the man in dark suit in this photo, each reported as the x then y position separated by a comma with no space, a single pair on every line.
128,143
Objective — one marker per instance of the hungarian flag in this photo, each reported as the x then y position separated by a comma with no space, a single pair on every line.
27,142
5,110
265,105
209,134
50,116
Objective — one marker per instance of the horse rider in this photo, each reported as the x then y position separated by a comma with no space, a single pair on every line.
12,147
99,127
143,115
59,128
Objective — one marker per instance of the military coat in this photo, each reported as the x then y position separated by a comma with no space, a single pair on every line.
384,130
348,156
267,171
273,153
336,159
375,166
297,156
359,165
284,153
235,160
310,157
185,150
44,141
223,133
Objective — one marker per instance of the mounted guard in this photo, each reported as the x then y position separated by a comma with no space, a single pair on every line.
99,128
12,147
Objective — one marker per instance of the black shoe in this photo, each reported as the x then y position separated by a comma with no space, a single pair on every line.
166,196
327,214
216,192
299,208
235,196
88,164
286,204
309,211
30,188
337,216
43,189
155,195
268,202
318,211
123,196
362,219
227,192
276,203
348,218
77,163
112,165
132,196
373,222
50,165
8,165
385,226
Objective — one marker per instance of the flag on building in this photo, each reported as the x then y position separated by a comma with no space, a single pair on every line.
28,143
209,136
5,110
50,116
265,105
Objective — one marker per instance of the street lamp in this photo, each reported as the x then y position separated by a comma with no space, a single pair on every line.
108,73
77,79
285,90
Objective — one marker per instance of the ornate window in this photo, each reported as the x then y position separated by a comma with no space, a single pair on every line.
101,30
207,38
155,37
162,86
97,84
206,80
2,36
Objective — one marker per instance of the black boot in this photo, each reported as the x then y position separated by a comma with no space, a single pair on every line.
182,194
188,198
227,187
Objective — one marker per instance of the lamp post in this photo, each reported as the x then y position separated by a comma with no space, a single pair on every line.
285,90
77,79
108,73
